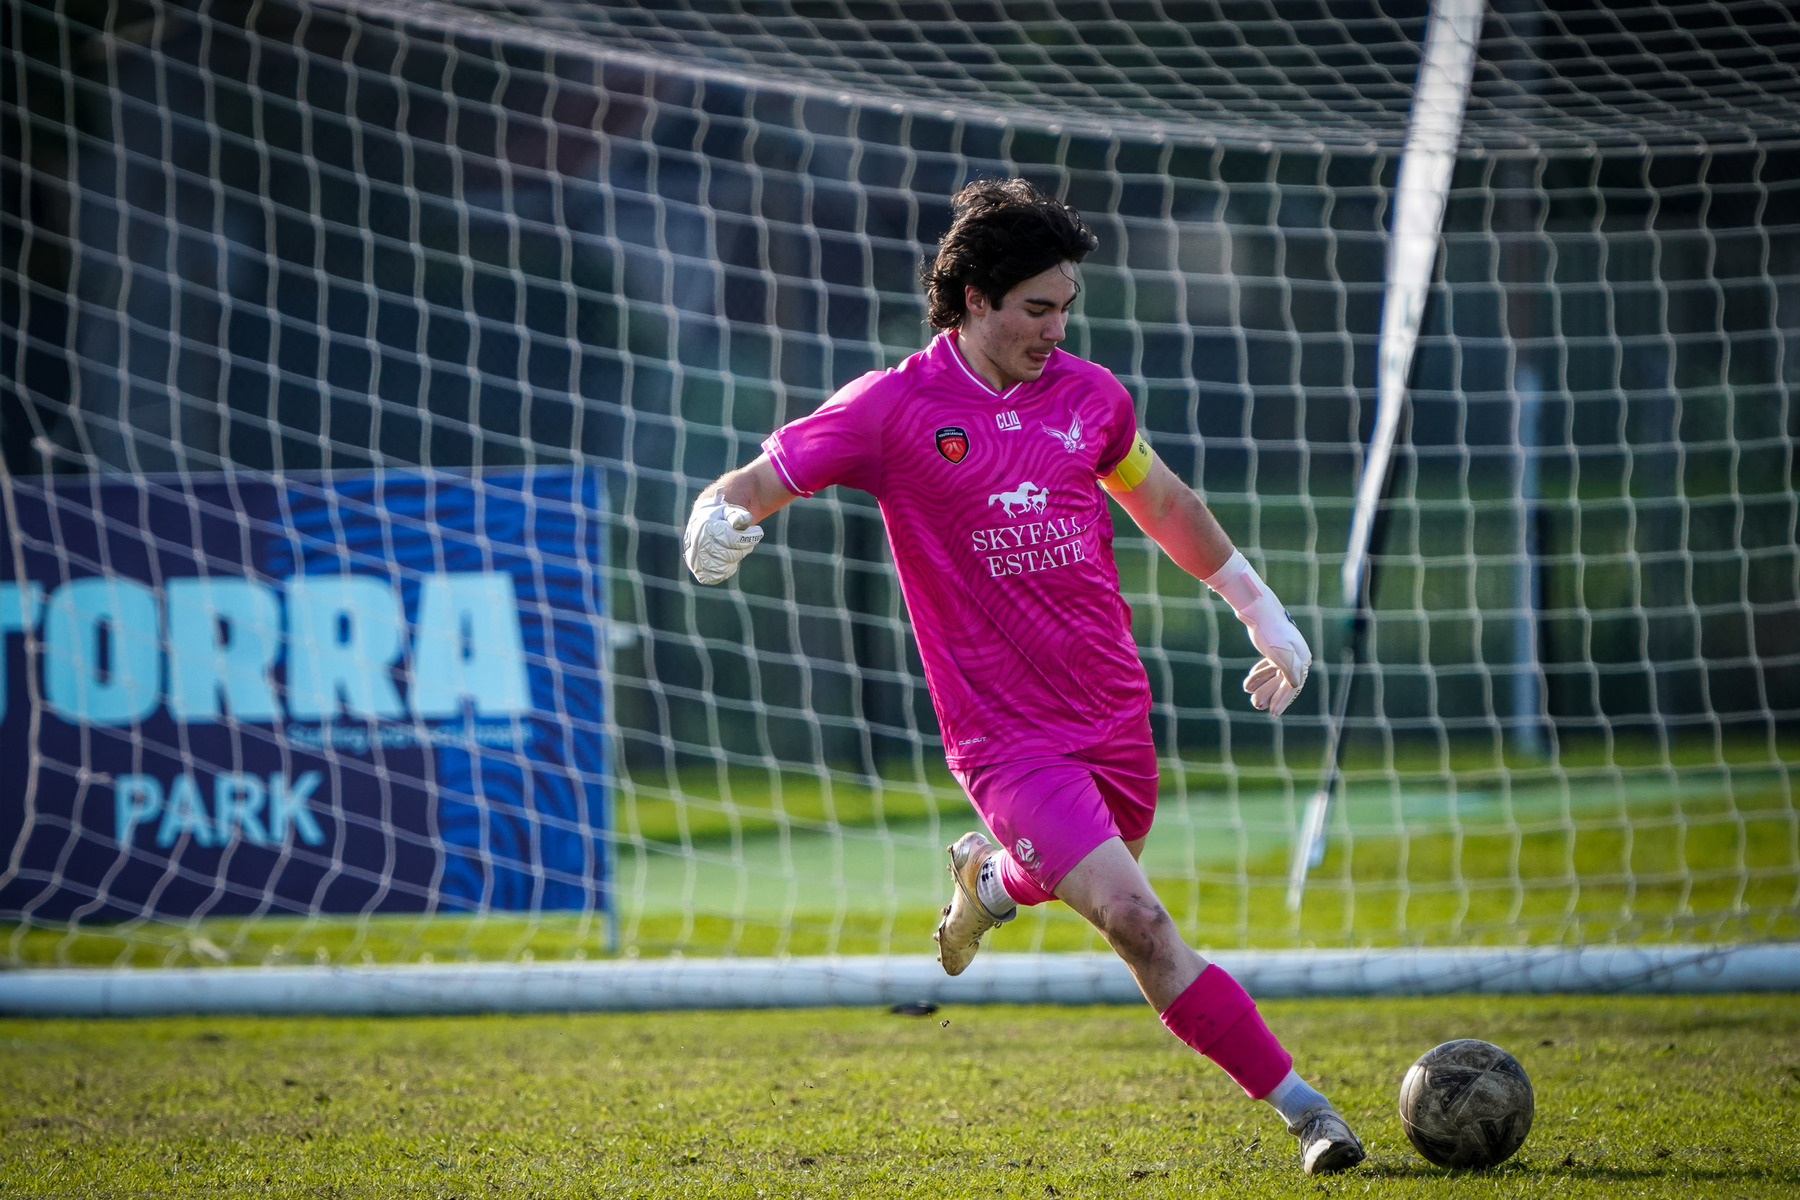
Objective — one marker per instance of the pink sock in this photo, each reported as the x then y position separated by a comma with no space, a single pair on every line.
1020,886
1218,1019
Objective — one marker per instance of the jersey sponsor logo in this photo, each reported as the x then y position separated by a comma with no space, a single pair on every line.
1026,498
1028,562
1007,420
1070,438
1025,536
953,443
1039,545
1025,852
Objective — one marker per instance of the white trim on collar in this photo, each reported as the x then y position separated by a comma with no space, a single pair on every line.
972,373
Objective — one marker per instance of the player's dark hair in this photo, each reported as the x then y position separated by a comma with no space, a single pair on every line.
1002,232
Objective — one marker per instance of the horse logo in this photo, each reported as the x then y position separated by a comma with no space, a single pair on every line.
1026,498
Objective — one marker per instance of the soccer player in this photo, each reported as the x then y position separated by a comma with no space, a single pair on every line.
989,451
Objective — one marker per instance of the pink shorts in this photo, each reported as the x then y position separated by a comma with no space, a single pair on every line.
1051,811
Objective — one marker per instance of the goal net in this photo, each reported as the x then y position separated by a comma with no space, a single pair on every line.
362,361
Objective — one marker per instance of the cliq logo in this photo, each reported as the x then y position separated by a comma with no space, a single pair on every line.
114,650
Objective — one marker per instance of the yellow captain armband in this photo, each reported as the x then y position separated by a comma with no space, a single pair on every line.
1132,469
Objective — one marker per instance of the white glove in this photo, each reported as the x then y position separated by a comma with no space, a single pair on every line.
717,538
1277,679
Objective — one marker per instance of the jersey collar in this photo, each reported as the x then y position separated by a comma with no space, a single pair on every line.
987,388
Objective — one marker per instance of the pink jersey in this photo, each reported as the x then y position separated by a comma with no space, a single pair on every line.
1002,539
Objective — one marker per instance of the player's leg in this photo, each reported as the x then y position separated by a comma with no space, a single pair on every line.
1110,890
1051,812
1200,1002
1047,815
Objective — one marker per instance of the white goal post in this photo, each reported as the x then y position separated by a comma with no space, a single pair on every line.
362,360
1079,978
1434,128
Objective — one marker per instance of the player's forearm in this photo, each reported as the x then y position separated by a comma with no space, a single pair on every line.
1191,536
1179,521
756,487
722,527
1176,519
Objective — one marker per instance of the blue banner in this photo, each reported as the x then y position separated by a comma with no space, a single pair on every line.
343,694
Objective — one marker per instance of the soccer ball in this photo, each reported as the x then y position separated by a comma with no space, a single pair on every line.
1466,1103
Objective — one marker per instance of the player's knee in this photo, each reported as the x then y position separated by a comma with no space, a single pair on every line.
1138,927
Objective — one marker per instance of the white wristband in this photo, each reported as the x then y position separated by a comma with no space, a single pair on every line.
1238,583
1272,683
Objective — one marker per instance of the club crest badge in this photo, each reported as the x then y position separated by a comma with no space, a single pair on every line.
952,443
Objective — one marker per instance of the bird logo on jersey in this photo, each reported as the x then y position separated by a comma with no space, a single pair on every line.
952,443
1071,437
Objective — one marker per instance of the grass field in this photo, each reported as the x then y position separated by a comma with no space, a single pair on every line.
1677,1097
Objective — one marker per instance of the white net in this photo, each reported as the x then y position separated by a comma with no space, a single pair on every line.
362,362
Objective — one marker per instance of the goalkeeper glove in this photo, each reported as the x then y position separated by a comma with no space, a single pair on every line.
1273,682
717,538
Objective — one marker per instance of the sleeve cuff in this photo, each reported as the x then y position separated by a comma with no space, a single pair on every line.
772,448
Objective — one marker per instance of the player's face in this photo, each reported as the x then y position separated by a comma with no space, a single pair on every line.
1011,343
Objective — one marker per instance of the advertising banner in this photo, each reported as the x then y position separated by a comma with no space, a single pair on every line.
348,693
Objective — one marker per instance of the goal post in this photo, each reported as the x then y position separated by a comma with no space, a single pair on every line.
1070,978
363,359
1434,129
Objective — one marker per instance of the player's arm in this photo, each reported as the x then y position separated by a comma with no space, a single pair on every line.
1178,520
723,527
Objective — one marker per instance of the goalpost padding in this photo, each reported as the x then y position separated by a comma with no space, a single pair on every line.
1072,979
